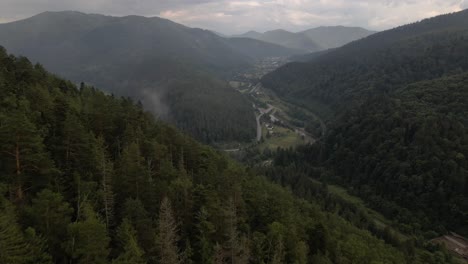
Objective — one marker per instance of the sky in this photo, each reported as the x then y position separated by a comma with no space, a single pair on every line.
238,16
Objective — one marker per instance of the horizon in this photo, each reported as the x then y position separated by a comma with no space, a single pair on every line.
214,31
238,17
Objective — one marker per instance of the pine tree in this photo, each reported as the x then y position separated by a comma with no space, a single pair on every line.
205,229
88,242
237,245
131,173
22,147
140,219
49,215
38,247
105,168
168,238
131,252
13,247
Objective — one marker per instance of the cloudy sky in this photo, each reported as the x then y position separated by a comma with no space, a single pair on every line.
236,16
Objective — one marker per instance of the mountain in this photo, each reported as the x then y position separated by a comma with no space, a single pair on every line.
259,49
143,57
396,108
379,63
284,38
291,40
251,34
96,179
312,40
334,37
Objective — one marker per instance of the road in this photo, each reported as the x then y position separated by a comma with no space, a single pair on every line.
259,124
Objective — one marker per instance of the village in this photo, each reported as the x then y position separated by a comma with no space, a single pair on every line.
275,125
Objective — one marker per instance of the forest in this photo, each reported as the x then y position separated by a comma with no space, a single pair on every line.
345,77
87,177
397,129
404,154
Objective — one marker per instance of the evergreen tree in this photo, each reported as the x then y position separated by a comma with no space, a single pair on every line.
167,235
205,229
38,248
131,253
88,241
105,168
13,247
50,215
22,147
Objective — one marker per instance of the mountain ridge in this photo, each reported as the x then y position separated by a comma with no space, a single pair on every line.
311,40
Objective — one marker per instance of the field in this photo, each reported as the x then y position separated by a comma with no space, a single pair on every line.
282,137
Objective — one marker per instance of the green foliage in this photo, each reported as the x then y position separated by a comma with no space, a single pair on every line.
131,252
124,165
398,136
50,215
409,149
197,109
25,161
88,241
167,235
13,247
38,247
377,64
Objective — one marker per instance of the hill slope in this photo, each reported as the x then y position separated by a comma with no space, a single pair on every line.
404,153
138,56
397,133
377,64
92,165
411,149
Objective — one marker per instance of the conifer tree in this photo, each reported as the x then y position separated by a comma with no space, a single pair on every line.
167,233
131,253
88,241
13,247
105,168
21,145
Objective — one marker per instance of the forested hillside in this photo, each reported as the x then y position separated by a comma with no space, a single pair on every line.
141,57
405,154
396,104
377,64
91,178
410,149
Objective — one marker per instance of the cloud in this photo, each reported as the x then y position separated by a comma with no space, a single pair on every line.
298,15
241,15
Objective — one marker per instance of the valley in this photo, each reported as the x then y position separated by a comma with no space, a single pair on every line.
279,124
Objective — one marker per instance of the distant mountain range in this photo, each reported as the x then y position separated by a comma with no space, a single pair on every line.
150,59
312,40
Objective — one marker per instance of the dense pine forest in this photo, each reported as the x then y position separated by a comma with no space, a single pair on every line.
404,154
396,105
90,178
